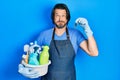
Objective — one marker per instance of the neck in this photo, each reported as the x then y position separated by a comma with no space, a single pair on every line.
60,31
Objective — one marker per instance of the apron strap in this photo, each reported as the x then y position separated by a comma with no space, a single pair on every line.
67,33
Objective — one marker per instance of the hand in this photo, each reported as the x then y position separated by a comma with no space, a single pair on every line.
84,24
27,71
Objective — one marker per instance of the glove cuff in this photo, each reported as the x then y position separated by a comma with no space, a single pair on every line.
88,31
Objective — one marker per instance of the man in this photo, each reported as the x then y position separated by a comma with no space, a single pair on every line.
63,43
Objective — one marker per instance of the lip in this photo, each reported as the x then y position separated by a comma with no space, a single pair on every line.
60,22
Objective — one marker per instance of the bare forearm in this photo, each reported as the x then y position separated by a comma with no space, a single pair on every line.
92,47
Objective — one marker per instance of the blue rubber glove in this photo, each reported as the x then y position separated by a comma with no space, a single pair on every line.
84,24
28,72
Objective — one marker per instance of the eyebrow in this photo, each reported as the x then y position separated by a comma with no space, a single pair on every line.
62,13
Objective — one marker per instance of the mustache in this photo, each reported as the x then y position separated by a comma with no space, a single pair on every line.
60,21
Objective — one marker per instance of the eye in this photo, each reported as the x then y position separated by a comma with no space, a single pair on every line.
56,15
63,15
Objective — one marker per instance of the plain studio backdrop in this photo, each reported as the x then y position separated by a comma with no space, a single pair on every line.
21,21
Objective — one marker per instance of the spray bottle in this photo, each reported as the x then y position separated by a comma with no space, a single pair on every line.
34,51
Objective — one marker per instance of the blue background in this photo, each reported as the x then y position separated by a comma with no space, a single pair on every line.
21,21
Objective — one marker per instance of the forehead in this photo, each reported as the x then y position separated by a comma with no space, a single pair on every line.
60,11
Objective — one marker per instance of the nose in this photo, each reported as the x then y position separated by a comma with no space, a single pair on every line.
59,18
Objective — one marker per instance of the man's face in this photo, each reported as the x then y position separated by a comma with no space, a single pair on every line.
60,18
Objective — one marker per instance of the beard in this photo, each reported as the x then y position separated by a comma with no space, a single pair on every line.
60,25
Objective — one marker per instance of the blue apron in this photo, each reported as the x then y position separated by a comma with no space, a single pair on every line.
62,57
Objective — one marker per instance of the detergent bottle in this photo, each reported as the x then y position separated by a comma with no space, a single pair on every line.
44,56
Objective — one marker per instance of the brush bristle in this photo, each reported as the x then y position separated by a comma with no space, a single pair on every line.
26,48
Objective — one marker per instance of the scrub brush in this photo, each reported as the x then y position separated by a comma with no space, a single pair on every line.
26,49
